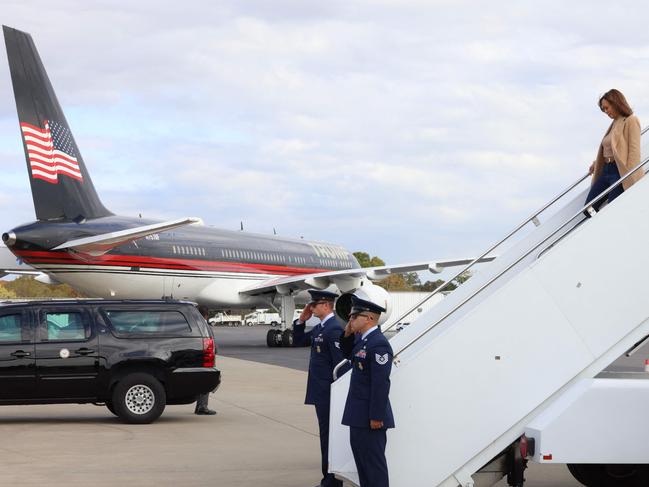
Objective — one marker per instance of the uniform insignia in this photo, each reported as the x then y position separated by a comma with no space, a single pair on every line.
360,365
361,354
381,359
337,344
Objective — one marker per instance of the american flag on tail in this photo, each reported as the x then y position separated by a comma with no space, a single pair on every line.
50,151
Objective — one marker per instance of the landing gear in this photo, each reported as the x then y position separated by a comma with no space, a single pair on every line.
284,336
287,338
274,338
613,475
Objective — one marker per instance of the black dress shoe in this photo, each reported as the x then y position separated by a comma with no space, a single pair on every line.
205,412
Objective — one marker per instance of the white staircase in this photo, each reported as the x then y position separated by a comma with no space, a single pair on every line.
470,374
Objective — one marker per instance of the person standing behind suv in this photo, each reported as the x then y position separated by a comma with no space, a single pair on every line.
324,339
201,403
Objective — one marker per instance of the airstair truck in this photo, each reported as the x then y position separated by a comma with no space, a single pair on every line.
516,363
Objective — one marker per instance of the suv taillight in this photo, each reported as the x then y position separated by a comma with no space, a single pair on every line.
208,352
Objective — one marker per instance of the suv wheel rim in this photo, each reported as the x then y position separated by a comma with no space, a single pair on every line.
139,399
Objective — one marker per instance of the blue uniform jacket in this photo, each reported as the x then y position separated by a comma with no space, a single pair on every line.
324,339
370,382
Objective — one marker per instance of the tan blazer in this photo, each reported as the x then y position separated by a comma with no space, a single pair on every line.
625,142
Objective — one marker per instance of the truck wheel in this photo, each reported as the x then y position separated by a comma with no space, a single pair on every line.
287,338
139,398
249,323
610,475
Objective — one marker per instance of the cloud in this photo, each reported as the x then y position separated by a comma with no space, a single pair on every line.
415,128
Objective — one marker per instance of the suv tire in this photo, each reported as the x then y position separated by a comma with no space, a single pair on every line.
109,406
139,398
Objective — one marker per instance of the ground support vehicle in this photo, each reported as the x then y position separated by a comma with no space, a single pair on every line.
225,319
134,357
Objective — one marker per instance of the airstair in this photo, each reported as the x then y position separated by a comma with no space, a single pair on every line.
552,311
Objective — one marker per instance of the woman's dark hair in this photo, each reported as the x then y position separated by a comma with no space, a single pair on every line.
617,101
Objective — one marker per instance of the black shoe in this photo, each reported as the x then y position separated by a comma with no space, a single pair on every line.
205,412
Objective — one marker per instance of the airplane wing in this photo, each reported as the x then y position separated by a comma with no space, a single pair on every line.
10,264
100,244
349,279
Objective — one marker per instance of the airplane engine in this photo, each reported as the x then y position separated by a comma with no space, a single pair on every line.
369,292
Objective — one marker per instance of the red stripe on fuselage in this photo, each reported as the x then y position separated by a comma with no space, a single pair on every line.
47,257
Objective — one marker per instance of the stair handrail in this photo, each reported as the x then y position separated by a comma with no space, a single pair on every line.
493,247
486,252
587,207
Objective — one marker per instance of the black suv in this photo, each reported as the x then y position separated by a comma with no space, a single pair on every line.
133,356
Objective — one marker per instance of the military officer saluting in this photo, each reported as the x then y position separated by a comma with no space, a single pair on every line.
367,410
324,339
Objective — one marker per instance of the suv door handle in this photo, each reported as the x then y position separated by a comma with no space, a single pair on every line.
84,351
20,354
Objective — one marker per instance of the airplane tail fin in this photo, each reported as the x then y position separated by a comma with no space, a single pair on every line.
61,186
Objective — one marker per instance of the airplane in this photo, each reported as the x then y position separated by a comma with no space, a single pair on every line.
77,240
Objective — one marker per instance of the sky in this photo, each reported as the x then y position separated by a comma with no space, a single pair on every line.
409,129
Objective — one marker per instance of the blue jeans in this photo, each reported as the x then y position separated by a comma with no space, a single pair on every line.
609,175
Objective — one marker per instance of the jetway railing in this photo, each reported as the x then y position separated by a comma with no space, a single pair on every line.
533,218
586,208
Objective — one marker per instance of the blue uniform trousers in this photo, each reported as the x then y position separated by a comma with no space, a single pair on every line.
609,175
328,479
368,447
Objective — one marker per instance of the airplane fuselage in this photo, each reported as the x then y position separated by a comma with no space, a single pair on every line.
204,264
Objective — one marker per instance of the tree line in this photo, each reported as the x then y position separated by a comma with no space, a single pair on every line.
28,287
408,281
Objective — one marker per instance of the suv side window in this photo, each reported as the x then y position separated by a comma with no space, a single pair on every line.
11,329
128,323
65,326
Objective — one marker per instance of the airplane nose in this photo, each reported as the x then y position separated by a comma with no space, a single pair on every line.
9,238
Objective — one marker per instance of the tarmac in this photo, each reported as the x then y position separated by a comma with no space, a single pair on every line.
263,434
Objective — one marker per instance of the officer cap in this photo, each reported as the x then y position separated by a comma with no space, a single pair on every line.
318,295
359,305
